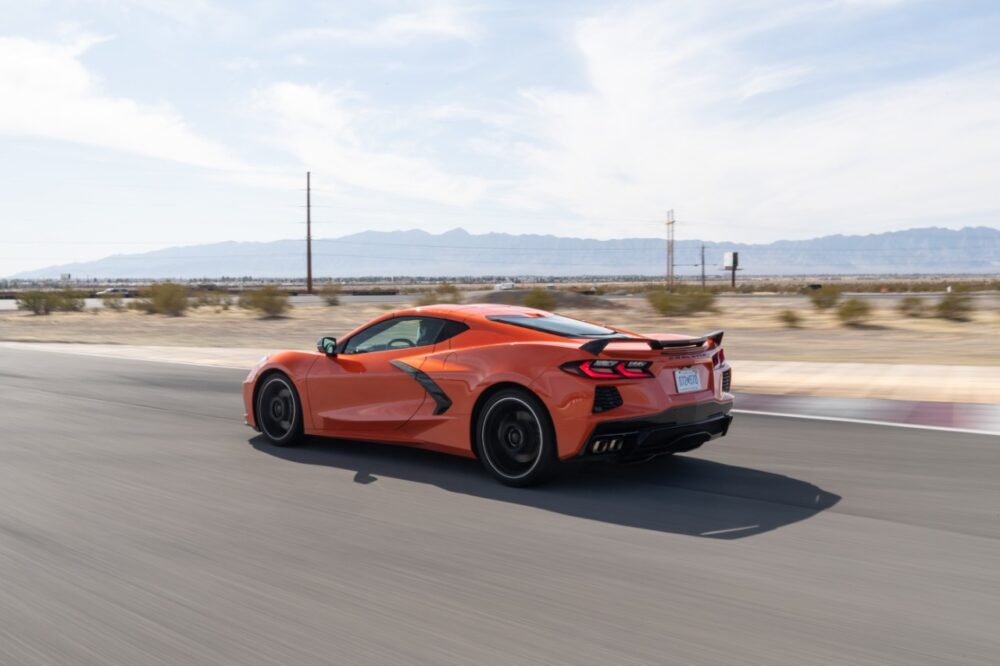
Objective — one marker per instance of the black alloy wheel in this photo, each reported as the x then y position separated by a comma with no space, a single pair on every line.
279,411
514,438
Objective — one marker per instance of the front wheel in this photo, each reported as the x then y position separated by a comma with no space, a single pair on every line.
515,439
279,410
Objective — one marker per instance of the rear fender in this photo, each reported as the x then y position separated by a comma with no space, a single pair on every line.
469,372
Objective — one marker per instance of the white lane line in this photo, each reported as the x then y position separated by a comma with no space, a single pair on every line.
730,530
839,419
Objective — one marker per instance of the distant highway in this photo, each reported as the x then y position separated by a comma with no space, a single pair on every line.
142,523
95,303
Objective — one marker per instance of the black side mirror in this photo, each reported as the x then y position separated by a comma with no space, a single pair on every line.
327,345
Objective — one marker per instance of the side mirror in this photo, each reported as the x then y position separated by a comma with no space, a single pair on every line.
327,345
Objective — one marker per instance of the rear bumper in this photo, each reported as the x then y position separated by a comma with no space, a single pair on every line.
675,430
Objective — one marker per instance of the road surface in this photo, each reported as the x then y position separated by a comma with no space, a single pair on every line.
142,523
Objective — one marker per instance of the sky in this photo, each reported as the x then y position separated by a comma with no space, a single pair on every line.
140,124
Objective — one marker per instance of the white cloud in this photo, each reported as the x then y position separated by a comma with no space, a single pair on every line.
325,132
434,21
47,92
762,80
663,123
190,13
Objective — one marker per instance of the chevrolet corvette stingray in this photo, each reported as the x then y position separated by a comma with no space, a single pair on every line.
520,389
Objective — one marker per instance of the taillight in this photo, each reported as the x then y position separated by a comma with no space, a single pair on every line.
634,368
719,358
609,369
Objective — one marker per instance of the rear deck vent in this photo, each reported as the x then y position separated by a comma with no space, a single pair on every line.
605,398
727,378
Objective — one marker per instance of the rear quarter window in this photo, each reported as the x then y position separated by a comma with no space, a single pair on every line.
557,325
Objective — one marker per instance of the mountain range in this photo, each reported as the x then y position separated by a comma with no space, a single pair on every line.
932,250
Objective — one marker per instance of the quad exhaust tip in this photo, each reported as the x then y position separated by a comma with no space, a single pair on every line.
607,445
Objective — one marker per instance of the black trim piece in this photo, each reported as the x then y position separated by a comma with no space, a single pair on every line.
672,431
595,347
441,400
699,411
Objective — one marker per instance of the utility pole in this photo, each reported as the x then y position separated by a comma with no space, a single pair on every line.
670,249
731,262
703,267
309,236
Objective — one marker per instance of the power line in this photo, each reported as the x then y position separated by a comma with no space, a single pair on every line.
633,250
410,259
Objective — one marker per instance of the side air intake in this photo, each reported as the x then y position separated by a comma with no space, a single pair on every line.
605,398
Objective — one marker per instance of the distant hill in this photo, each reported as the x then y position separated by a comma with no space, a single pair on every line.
459,253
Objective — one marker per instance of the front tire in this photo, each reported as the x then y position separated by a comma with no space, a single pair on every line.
515,440
279,410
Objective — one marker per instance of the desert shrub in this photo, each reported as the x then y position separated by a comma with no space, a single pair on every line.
682,302
68,300
540,299
954,307
167,298
825,297
443,293
269,301
213,299
912,306
113,302
37,302
448,293
46,302
854,311
330,294
790,318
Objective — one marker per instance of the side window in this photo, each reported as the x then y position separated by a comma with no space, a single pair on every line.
450,329
402,333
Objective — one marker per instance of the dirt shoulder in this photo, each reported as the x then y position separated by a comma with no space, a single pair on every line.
752,330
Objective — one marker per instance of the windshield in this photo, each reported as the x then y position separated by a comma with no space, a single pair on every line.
558,325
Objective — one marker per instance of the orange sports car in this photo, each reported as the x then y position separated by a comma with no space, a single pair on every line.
518,388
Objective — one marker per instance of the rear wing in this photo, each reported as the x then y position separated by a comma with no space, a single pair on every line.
595,347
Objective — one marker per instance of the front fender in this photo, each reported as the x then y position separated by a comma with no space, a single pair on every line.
296,366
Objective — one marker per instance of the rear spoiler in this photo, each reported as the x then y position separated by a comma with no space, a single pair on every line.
595,347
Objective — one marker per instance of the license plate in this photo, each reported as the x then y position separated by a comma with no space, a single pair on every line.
687,380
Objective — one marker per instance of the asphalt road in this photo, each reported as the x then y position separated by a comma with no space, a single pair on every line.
142,523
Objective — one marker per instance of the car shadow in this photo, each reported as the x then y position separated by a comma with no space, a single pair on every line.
679,494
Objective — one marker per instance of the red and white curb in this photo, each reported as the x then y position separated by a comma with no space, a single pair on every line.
972,418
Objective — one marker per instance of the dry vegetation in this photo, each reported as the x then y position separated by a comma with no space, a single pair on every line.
269,302
554,299
47,302
755,327
444,293
331,294
680,302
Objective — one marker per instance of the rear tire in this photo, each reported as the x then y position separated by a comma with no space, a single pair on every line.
515,440
279,410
